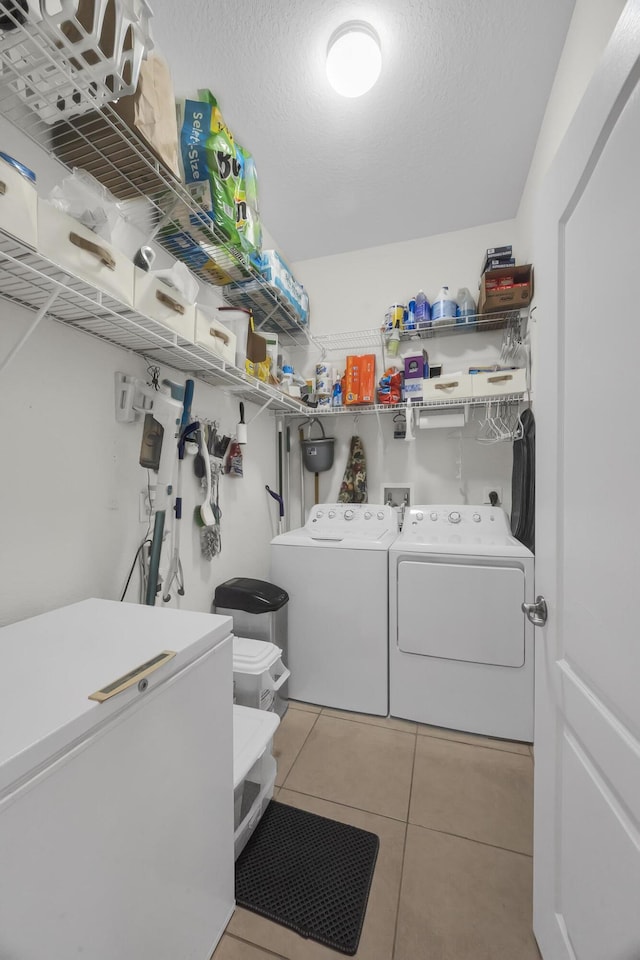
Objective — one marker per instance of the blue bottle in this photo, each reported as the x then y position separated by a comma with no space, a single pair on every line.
423,311
443,308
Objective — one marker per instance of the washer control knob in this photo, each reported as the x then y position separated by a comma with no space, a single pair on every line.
419,516
332,514
380,515
319,514
476,518
349,514
454,517
434,515
368,515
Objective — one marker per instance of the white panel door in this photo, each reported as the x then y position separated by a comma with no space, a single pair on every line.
587,734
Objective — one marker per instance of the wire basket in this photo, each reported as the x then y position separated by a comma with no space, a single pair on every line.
98,46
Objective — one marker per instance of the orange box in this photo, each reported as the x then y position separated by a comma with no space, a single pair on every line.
360,377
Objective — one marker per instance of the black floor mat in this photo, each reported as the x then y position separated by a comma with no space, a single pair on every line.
310,874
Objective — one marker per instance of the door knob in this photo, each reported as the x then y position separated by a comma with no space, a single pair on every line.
536,612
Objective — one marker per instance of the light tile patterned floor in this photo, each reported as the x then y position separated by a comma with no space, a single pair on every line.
454,816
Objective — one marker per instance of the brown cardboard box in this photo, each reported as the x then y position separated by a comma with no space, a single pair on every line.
500,297
102,144
360,379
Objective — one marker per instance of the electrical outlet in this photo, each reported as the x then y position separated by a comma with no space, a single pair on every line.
146,506
493,489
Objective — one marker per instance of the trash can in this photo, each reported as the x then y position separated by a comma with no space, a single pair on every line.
259,611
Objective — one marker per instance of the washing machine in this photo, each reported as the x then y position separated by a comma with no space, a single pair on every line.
460,648
335,570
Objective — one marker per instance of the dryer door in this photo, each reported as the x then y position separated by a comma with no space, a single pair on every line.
461,611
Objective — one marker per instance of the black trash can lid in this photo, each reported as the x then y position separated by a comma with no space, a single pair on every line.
252,596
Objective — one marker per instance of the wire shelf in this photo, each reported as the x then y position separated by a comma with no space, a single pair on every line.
378,408
28,280
377,336
154,200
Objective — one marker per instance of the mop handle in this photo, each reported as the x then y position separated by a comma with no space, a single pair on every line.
276,496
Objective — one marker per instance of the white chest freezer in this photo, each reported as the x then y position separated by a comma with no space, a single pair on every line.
116,817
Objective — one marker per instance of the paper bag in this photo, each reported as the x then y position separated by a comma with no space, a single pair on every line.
149,113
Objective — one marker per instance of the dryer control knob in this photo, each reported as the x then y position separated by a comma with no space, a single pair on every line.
419,516
368,515
380,515
434,516
332,514
349,514
454,517
476,518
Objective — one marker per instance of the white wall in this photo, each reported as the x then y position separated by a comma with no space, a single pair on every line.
352,292
591,26
71,480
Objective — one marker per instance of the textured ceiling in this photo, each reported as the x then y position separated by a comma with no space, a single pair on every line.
442,142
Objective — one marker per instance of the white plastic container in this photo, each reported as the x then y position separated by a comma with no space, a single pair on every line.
258,673
254,770
18,205
71,245
214,336
156,299
452,386
499,382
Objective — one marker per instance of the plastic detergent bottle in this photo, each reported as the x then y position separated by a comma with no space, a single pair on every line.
466,312
443,308
336,397
410,321
423,311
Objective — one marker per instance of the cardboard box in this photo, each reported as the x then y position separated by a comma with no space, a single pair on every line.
360,384
497,296
91,143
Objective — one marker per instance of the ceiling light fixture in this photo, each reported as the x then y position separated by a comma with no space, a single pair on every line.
354,58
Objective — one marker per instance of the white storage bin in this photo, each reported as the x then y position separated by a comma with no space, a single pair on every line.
66,242
237,322
258,672
156,299
254,770
443,388
499,382
18,205
214,336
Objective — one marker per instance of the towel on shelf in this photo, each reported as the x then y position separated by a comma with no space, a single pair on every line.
354,483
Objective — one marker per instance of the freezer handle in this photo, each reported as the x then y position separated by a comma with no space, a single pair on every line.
137,675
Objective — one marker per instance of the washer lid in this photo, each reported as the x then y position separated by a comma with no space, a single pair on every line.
254,656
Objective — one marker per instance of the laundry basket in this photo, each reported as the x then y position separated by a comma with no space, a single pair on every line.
71,56
258,673
254,770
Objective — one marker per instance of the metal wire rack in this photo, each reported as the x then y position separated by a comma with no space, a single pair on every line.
99,141
378,408
377,336
28,280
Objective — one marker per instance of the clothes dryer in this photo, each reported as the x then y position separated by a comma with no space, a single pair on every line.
335,570
460,648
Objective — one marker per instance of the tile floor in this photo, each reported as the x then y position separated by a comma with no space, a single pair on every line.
454,815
